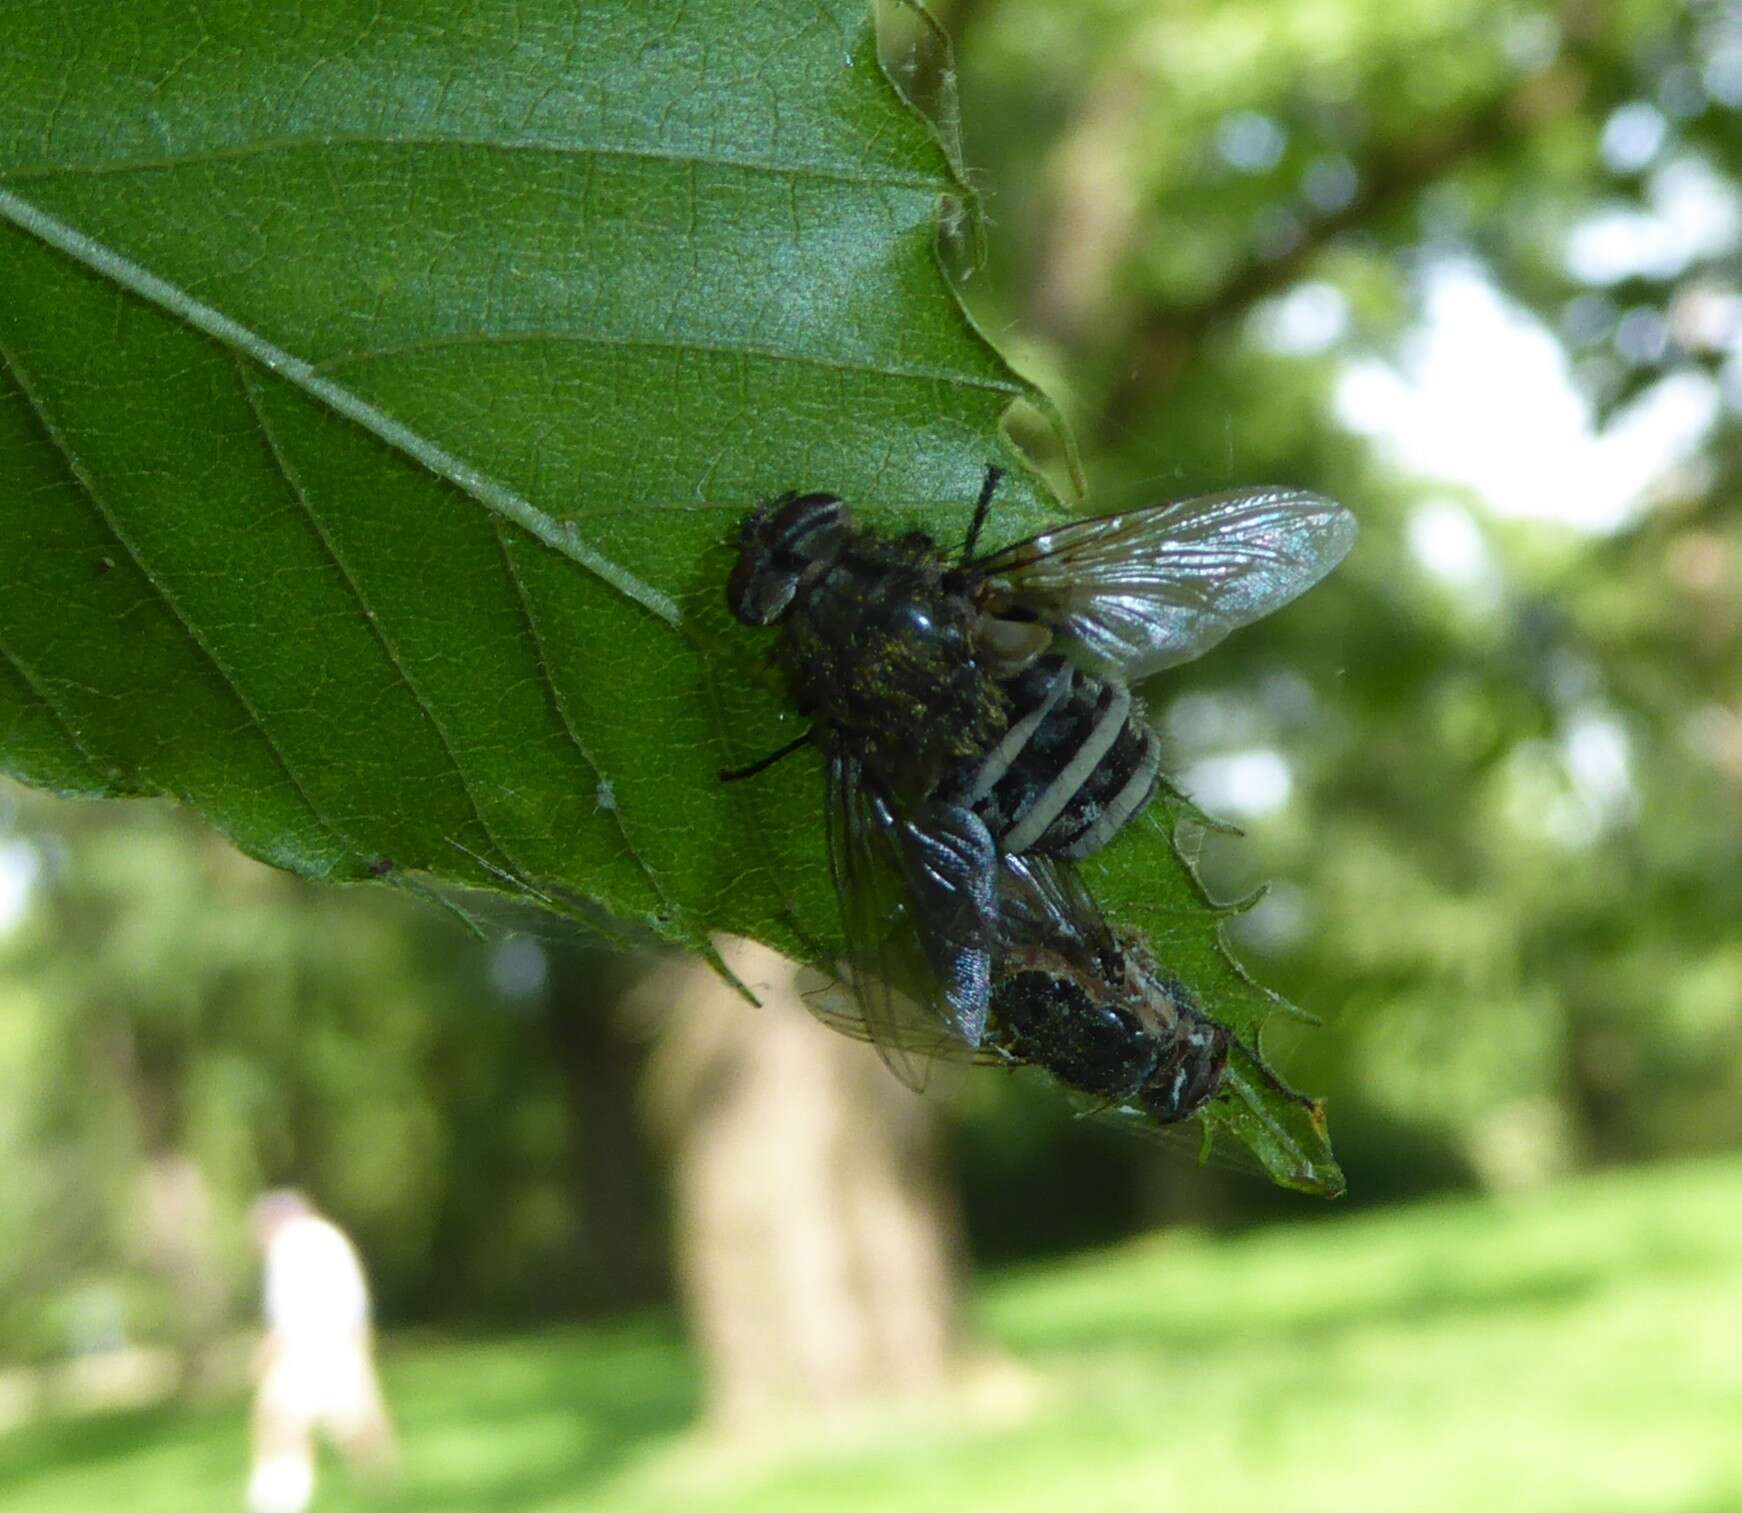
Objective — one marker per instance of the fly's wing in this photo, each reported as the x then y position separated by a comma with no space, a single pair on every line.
918,904
915,1040
1195,1139
873,913
950,863
1147,590
1045,903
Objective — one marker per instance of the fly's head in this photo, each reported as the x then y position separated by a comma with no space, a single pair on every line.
780,543
1195,1055
1190,1075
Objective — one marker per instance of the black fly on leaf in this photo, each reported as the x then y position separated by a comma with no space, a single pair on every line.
979,735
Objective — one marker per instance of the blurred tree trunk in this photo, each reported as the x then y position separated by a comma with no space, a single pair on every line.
175,1238
621,1243
173,1227
818,1242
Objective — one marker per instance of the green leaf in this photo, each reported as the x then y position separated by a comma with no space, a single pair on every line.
380,387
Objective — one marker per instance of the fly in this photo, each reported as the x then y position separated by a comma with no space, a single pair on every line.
978,730
1094,1008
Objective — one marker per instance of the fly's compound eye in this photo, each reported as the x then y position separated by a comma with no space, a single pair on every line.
758,592
778,542
794,527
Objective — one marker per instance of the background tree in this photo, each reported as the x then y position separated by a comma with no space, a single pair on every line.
1509,741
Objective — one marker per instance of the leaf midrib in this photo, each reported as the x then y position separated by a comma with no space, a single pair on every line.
353,855
254,351
506,504
561,537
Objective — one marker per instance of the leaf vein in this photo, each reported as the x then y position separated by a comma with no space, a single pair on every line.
824,172
489,492
639,343
57,714
559,703
77,472
372,620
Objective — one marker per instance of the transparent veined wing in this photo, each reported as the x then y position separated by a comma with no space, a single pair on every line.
1147,590
919,908
916,1041
1045,902
949,863
873,906
894,996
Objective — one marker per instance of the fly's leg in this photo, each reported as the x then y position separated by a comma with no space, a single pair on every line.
762,764
982,508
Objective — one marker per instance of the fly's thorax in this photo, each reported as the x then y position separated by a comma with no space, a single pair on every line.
880,646
1193,1048
1161,1001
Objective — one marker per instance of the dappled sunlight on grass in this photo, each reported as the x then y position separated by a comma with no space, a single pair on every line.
1575,1349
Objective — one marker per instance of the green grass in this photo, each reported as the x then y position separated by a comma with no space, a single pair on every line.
1578,1349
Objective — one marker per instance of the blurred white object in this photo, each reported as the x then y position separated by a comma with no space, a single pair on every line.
316,1365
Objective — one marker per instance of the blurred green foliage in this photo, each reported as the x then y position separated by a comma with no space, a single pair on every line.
1508,872
1571,1352
1511,859
167,1001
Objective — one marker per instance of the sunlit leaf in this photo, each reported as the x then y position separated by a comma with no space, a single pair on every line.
380,387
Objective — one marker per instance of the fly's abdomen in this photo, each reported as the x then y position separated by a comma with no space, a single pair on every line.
1047,1018
1076,764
